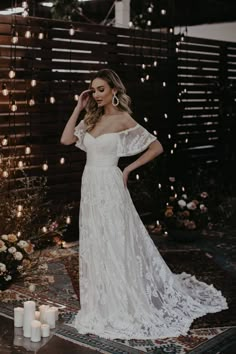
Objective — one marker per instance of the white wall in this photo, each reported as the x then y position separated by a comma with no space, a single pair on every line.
220,31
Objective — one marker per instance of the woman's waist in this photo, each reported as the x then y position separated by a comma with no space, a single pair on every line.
96,161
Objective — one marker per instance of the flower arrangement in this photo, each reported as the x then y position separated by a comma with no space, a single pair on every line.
14,258
186,212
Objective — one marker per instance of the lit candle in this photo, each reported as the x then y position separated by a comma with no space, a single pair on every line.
18,316
50,318
42,310
35,331
29,316
55,309
45,330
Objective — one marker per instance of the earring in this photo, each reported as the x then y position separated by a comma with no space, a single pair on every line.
115,100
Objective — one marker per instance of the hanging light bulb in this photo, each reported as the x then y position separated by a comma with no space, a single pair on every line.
19,214
154,132
165,115
18,233
163,12
13,106
145,119
5,91
19,207
155,63
159,185
143,66
130,24
171,30
5,141
142,79
183,189
52,99
164,84
76,97
68,219
12,73
176,195
169,136
147,77
175,146
172,188
32,101
71,30
33,82
20,164
15,37
28,34
41,34
5,174
44,229
137,177
62,160
27,150
186,140
149,23
150,8
45,166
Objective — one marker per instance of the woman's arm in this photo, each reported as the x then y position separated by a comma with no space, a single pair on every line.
68,136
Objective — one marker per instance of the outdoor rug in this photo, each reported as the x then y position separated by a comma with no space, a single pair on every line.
58,285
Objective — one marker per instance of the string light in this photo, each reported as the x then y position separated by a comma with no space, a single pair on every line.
32,101
145,119
169,136
71,30
158,222
164,84
41,34
13,106
165,115
163,12
27,150
18,233
155,63
24,4
130,24
12,73
142,79
154,132
62,160
44,229
45,166
143,66
28,34
76,97
68,219
33,82
137,177
159,185
5,91
149,22
20,164
15,37
175,146
5,174
5,141
147,77
19,214
52,99
19,207
186,140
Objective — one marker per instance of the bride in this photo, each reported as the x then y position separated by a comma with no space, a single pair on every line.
127,290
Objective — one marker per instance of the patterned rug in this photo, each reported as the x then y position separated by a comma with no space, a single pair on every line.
59,286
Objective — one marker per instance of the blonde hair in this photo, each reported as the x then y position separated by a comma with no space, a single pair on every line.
93,112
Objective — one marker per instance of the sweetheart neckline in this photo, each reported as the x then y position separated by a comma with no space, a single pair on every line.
121,131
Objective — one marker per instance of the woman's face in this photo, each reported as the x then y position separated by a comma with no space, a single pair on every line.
102,92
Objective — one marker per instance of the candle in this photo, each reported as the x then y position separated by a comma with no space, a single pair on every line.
35,331
55,309
51,318
45,330
29,316
18,316
37,315
42,311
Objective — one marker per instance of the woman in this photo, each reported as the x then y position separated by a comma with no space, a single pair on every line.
126,288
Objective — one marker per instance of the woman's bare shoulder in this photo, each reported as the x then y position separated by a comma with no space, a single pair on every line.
128,121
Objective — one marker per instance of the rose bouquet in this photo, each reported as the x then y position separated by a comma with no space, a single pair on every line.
187,212
14,258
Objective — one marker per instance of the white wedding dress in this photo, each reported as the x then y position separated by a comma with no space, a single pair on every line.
127,290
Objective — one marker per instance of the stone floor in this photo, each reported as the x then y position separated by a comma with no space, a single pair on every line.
218,243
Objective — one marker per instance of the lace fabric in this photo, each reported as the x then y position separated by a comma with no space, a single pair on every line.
127,290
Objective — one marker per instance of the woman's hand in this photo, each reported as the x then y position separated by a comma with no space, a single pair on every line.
83,99
126,173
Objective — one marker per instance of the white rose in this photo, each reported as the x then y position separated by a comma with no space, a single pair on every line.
2,267
8,277
191,206
19,267
182,203
2,246
12,250
18,256
184,196
4,237
22,244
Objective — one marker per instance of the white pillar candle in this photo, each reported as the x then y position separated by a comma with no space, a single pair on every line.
35,331
45,330
42,310
50,318
37,315
18,316
29,316
55,309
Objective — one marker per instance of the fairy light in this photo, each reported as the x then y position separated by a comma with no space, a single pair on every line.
71,31
145,119
62,160
5,174
19,207
183,189
52,99
169,136
171,30
149,22
5,91
19,214
186,140
41,34
18,234
143,66
157,222
172,188
150,9
147,77
20,164
76,97
27,150
15,37
68,219
164,84
155,63
12,73
32,101
33,82
154,132
137,177
171,151
142,79
159,185
176,195
163,12
13,106
130,24
28,34
45,166
5,141
175,146
165,115
44,229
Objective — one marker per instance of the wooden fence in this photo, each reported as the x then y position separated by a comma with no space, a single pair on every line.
183,90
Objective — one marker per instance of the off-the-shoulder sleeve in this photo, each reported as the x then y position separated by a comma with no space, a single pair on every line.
133,141
79,132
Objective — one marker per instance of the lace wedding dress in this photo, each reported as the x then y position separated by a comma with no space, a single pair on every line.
127,290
